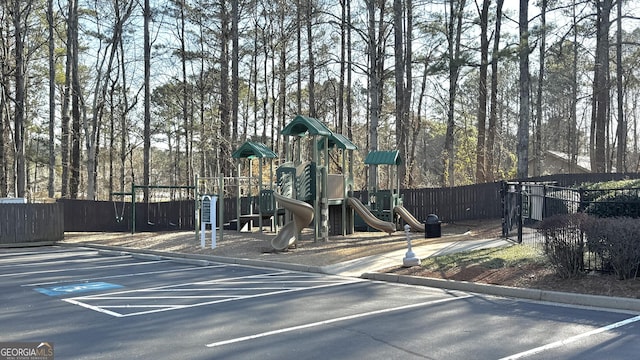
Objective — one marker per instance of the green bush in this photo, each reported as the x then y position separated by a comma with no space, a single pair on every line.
617,203
615,241
563,243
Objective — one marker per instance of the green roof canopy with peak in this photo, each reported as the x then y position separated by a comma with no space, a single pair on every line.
302,125
383,158
252,149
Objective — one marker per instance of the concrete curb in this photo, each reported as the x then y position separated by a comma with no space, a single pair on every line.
608,302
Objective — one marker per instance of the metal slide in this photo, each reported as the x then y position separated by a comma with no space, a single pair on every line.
302,217
369,218
409,218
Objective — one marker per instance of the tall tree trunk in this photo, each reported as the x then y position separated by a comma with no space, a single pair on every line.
52,101
66,105
343,65
572,143
224,90
74,179
493,110
523,114
311,59
454,31
398,32
621,153
147,102
19,96
405,168
235,63
482,93
186,95
375,83
601,85
537,148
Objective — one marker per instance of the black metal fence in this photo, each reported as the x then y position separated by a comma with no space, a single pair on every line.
527,204
30,223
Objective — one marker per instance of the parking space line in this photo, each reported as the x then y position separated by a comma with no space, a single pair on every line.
82,268
233,293
126,275
331,321
571,339
58,260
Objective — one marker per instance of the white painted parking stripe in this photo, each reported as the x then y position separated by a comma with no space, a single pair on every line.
331,321
131,295
82,268
126,275
94,308
571,339
38,262
13,255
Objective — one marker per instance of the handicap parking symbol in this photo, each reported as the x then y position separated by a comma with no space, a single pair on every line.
77,288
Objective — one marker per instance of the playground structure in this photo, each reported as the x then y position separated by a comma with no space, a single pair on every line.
312,186
386,205
305,177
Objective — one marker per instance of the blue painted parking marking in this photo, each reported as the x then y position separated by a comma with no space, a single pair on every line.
77,288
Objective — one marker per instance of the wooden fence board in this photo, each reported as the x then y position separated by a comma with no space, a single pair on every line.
29,223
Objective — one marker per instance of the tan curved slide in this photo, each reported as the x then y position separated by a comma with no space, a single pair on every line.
369,218
302,217
409,218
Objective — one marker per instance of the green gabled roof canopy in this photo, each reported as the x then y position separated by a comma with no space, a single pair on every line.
252,149
339,141
383,158
301,125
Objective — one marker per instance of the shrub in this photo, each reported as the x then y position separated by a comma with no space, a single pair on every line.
615,241
617,203
563,243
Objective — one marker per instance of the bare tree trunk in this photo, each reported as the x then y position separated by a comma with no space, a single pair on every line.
398,50
19,96
224,90
235,60
74,180
409,146
601,85
493,110
454,31
147,101
375,83
311,60
482,93
523,114
186,95
52,101
66,105
621,154
572,143
538,153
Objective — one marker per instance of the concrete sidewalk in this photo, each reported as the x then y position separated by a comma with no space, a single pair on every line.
373,263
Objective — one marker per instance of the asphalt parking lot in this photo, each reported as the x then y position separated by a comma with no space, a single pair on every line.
111,305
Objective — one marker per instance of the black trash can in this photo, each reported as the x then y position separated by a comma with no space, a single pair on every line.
432,227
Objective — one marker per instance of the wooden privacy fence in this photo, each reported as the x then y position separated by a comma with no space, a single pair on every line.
460,203
481,201
31,223
87,215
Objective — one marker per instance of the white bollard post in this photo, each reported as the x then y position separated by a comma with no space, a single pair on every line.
410,258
